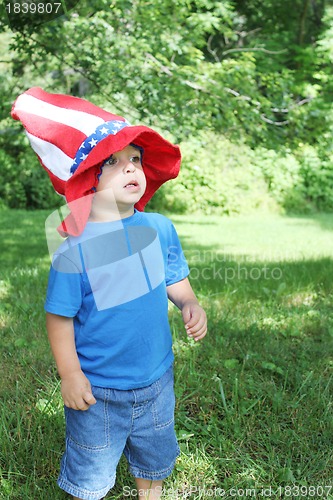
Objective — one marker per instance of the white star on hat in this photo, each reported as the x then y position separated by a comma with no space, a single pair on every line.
93,142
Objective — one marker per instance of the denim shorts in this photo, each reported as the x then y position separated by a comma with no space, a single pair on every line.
137,422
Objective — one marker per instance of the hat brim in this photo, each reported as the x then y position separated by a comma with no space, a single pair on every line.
161,162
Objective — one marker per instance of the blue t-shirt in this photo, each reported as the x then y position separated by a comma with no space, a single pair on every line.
112,281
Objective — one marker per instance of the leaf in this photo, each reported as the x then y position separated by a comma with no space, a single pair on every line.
21,342
286,475
183,435
272,367
281,288
231,363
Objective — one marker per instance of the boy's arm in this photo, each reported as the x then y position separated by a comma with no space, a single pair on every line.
195,320
75,387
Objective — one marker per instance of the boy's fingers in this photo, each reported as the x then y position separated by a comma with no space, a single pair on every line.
199,330
195,327
82,407
200,337
89,398
196,324
199,333
193,320
186,315
197,316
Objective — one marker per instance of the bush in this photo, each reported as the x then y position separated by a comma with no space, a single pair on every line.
317,177
282,174
217,176
25,184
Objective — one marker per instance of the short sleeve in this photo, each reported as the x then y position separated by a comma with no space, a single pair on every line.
177,267
65,289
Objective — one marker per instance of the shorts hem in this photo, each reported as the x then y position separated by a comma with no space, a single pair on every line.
150,475
84,494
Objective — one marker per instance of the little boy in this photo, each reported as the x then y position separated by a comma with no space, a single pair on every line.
108,291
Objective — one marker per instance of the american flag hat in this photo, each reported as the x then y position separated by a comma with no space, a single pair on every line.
72,138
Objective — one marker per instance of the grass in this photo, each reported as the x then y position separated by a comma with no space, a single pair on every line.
254,399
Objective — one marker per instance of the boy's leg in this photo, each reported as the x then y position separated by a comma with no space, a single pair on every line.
151,490
151,449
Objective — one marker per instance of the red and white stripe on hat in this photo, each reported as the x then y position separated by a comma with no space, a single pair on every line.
57,126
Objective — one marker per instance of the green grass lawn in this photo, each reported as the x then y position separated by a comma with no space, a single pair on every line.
254,411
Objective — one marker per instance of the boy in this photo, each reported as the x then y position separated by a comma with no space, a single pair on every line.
107,298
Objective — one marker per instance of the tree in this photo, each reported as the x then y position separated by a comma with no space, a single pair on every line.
252,71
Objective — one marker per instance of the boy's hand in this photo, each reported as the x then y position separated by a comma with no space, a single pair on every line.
195,320
76,391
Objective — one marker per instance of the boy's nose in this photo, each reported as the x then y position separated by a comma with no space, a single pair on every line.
129,167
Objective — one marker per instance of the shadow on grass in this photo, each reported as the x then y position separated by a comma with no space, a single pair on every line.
22,238
213,271
256,391
323,220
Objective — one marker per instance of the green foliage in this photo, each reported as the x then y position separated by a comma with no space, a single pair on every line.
281,172
190,70
255,75
24,183
11,190
219,176
317,177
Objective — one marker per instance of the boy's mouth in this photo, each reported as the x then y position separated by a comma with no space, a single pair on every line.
132,185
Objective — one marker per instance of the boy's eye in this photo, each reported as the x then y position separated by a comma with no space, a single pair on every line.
111,161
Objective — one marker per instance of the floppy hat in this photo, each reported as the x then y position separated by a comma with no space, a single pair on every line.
72,138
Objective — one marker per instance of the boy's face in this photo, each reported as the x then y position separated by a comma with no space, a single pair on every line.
123,174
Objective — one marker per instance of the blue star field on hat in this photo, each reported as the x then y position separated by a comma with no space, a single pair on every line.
102,131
